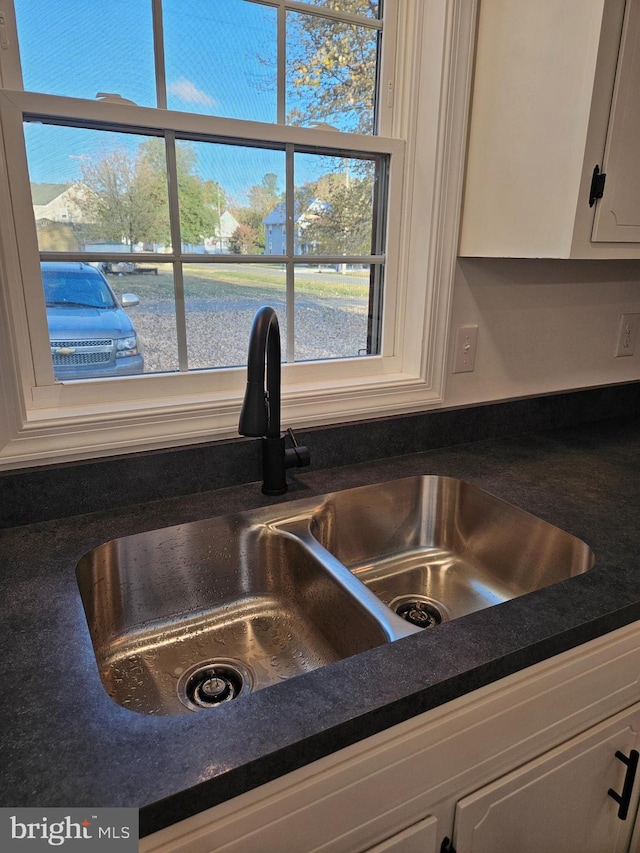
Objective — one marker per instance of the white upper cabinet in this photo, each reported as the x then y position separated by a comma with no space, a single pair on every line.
556,94
618,213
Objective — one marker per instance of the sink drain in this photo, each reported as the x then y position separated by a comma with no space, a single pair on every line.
208,685
420,611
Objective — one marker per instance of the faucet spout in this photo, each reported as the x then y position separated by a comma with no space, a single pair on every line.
260,414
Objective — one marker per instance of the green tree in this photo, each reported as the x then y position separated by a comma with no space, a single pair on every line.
114,198
264,196
201,202
124,195
198,216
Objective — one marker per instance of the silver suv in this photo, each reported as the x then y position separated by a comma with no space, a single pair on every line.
91,336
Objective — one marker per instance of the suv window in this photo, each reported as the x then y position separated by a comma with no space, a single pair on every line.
81,289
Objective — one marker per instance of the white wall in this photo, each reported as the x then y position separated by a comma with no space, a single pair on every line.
544,326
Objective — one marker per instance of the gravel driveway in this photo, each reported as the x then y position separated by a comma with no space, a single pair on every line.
218,324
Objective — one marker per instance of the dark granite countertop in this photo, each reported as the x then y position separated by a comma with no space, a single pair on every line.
66,743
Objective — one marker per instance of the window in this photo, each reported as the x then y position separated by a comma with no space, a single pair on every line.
320,239
209,161
174,210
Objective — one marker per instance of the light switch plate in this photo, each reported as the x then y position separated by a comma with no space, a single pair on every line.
627,334
464,359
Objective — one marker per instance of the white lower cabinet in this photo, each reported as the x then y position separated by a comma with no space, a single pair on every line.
559,803
422,837
523,765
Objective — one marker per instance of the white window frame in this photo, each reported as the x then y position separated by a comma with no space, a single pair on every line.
425,112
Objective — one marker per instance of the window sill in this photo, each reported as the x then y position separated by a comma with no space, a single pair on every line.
51,435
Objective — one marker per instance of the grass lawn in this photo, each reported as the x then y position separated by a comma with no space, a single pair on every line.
203,281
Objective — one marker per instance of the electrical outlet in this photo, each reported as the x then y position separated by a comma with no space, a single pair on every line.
464,358
628,334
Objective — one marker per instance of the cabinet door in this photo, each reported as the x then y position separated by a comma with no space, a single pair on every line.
558,803
618,212
419,838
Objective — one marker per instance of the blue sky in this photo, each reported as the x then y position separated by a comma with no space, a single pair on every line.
219,59
55,155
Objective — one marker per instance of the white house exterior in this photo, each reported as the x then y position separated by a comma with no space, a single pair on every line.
218,243
56,203
274,231
274,227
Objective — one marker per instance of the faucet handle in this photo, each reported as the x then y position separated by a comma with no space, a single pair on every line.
296,456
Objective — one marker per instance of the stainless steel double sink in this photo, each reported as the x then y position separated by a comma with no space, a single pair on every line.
192,616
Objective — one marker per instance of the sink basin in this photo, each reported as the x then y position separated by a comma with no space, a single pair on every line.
192,616
436,548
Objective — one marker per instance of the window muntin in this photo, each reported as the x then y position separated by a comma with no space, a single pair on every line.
233,198
130,119
300,202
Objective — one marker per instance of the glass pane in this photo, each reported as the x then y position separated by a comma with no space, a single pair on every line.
368,8
229,196
221,301
96,191
334,205
81,49
155,315
331,73
332,311
220,58
108,319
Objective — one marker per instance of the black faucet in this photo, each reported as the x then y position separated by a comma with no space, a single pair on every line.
260,415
